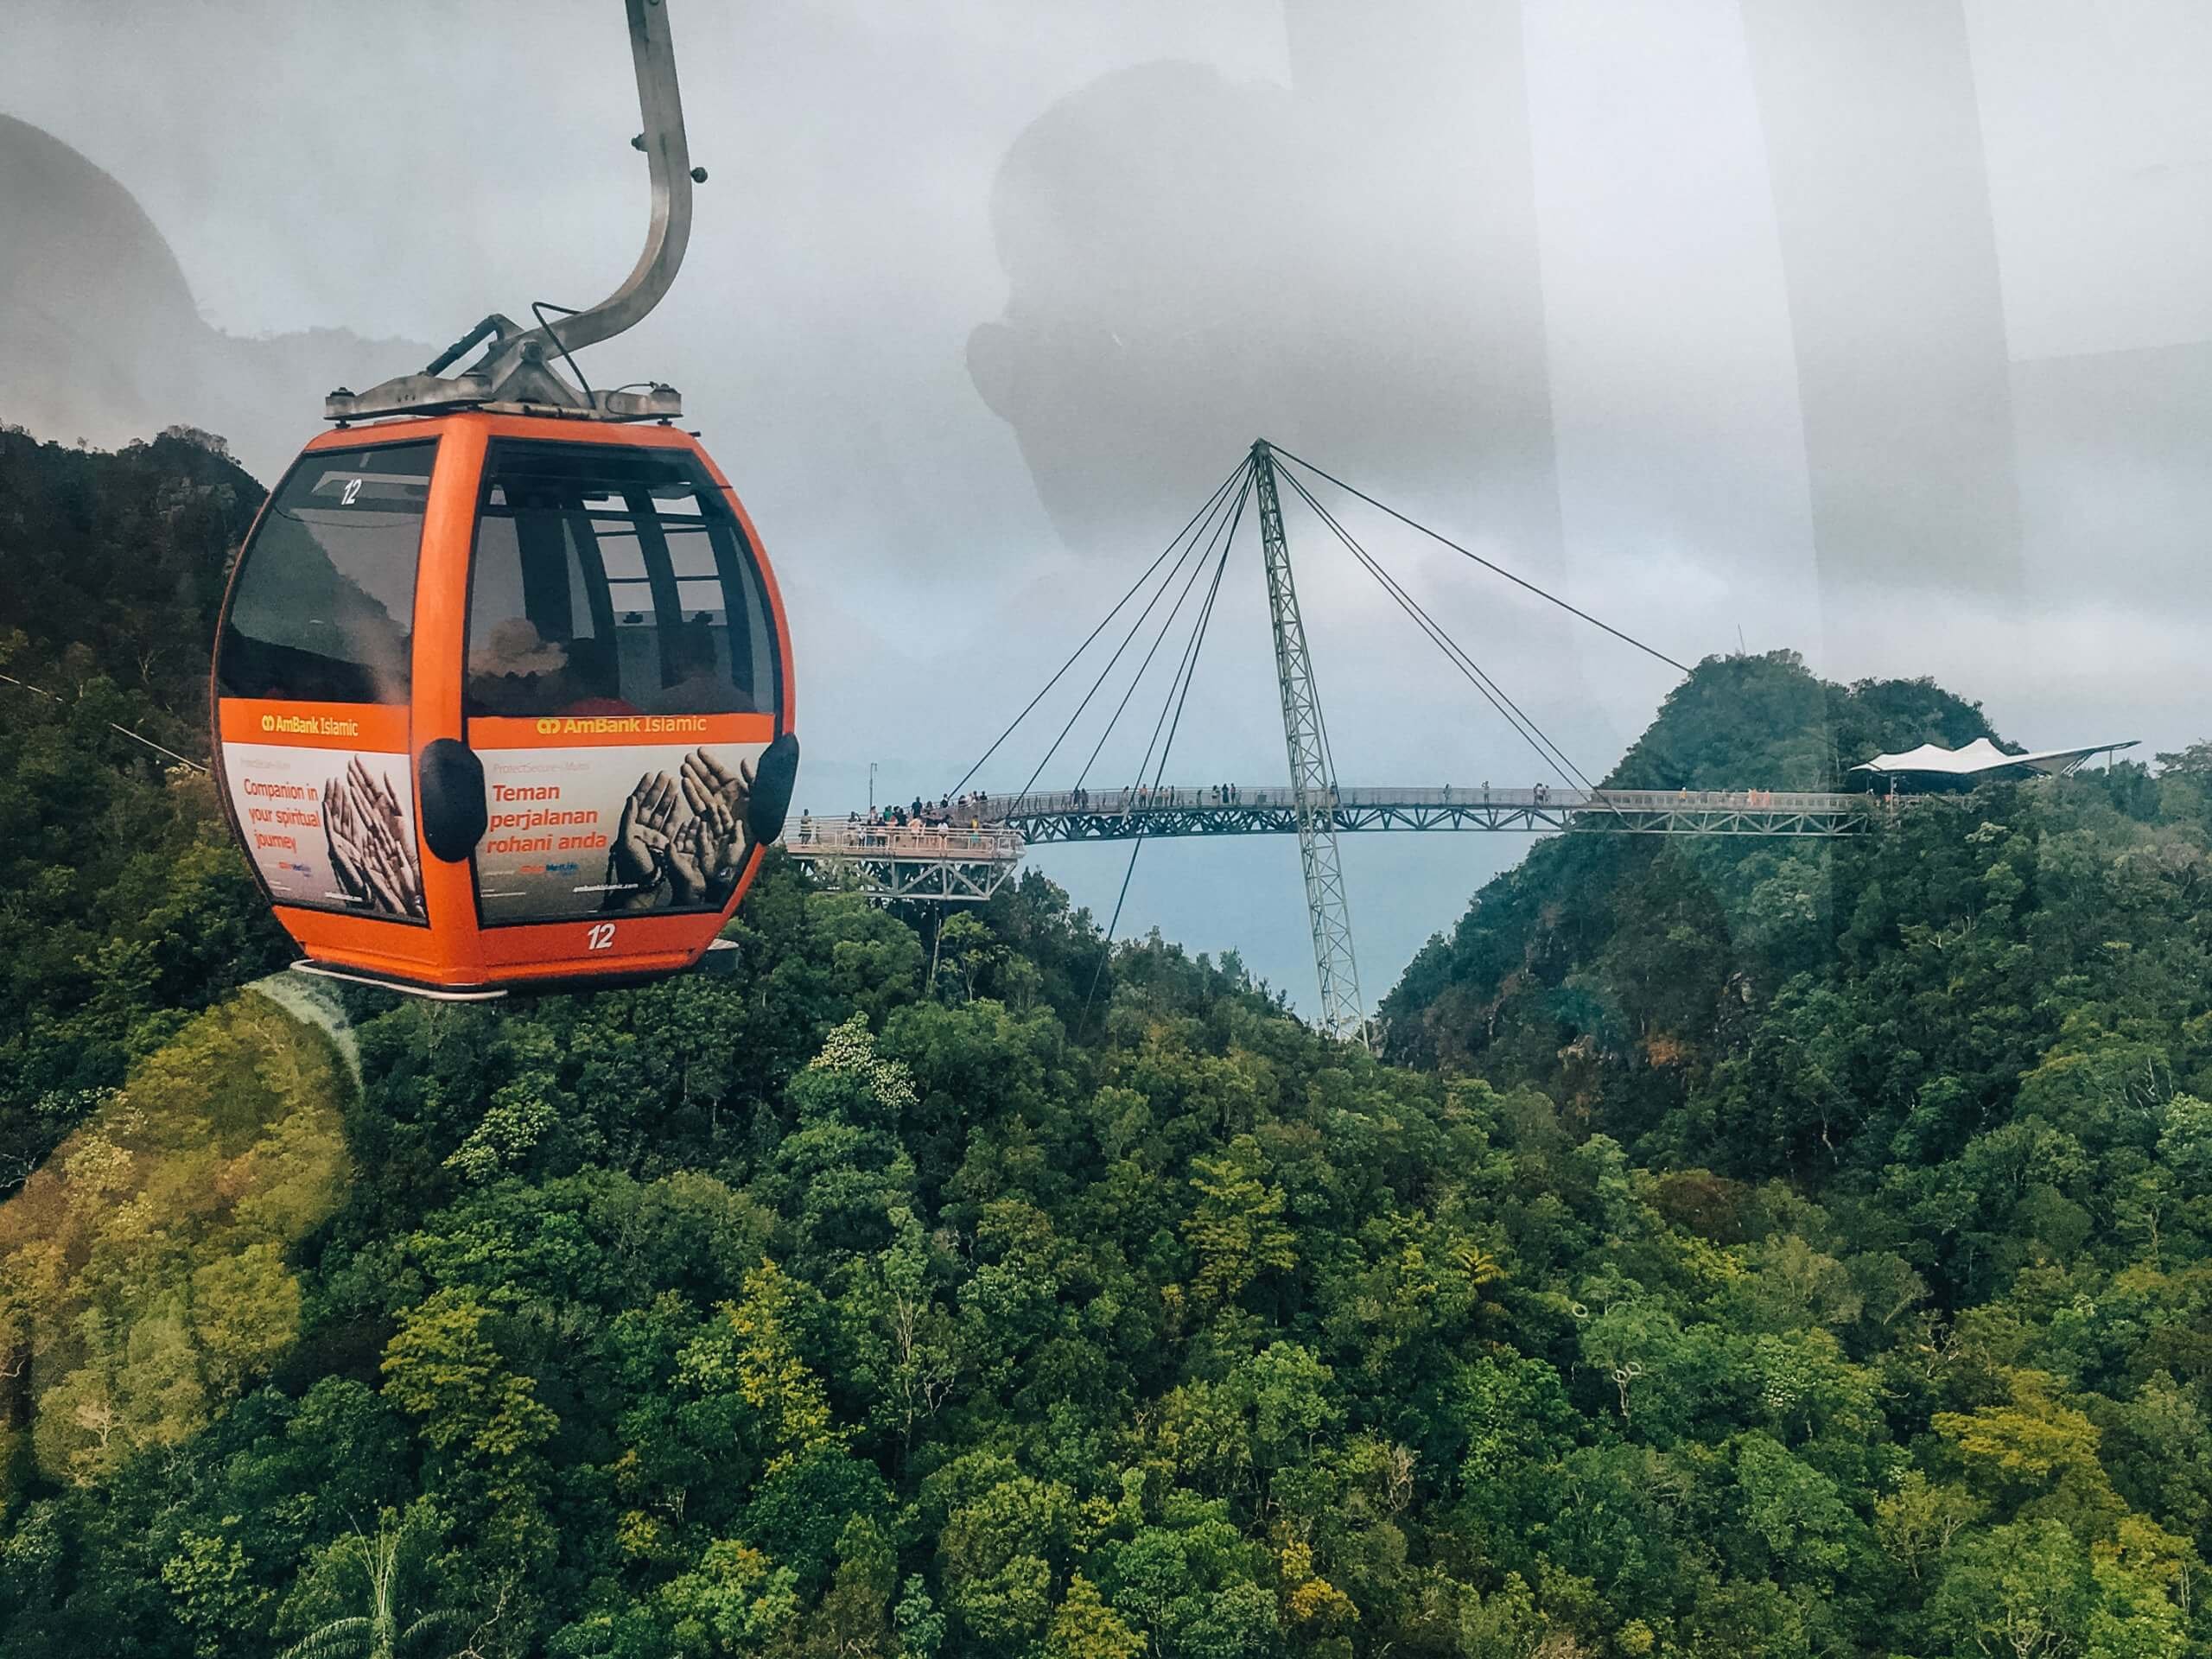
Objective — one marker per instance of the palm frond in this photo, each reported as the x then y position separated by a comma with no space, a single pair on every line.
340,1636
430,1621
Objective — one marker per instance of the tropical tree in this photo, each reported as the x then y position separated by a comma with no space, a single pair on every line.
383,1575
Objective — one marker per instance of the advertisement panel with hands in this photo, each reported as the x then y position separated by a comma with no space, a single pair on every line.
369,832
325,803
682,844
577,828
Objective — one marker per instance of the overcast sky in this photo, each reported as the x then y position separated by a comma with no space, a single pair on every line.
1881,329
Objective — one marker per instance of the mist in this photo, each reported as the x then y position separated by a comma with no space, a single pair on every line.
1876,329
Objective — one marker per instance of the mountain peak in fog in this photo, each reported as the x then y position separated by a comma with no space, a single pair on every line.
100,338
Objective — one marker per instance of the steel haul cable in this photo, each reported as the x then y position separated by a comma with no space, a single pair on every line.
1205,512
1204,541
1511,712
1465,553
135,737
1227,527
1186,669
1522,723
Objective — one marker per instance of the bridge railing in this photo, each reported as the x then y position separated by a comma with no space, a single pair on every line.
839,838
1184,799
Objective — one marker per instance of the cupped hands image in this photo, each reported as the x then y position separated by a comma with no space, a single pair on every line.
682,842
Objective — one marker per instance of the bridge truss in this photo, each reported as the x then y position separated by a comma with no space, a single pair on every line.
937,866
1067,817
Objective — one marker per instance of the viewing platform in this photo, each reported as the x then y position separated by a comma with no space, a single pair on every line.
928,863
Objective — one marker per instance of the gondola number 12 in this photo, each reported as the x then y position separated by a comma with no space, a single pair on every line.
599,936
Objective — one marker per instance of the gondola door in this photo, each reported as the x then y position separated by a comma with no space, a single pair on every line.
624,676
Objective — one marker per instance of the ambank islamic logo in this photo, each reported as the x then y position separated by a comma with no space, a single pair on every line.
311,725
606,725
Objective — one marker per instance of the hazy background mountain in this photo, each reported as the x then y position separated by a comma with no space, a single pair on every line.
101,339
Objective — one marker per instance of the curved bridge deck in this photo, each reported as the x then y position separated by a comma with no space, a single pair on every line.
1124,815
967,861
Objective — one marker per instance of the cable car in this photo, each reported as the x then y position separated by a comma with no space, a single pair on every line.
502,689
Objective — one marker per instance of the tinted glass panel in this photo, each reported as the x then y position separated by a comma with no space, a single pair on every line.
324,605
612,583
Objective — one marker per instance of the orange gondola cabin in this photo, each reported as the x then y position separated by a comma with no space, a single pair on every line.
504,701
502,688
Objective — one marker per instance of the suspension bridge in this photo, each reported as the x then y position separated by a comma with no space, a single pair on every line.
965,850
955,865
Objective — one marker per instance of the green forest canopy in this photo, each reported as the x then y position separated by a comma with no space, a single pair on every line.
1746,1248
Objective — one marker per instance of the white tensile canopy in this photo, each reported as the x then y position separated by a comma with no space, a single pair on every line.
1982,756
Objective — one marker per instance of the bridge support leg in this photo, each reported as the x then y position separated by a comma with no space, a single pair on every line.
1313,772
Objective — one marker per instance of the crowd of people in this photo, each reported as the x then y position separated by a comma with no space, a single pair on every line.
947,813
1144,797
973,810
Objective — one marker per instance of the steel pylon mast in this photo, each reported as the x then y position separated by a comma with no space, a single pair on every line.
1312,773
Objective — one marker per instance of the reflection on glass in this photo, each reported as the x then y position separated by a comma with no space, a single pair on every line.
325,599
606,583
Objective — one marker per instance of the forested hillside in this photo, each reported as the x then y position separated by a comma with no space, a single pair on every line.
1750,1250
123,908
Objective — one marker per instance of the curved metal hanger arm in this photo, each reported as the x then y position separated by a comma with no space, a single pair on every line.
517,367
668,160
